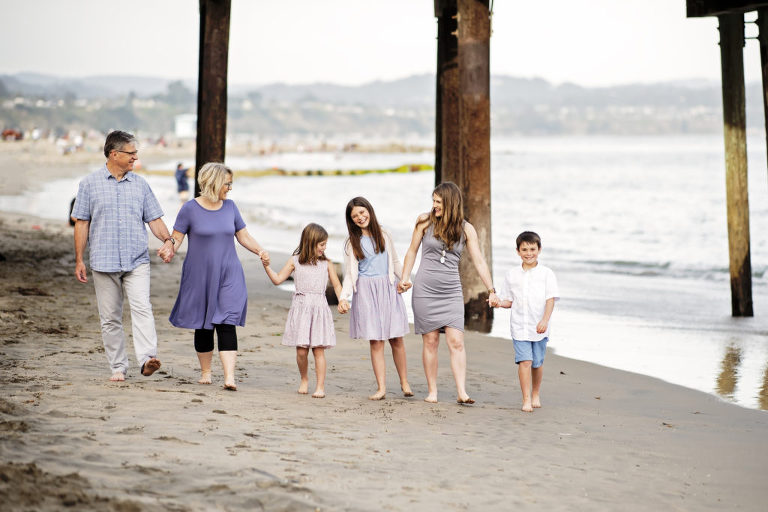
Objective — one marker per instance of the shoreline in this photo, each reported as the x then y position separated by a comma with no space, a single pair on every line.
605,438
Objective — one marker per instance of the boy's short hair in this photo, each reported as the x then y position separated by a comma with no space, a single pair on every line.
529,237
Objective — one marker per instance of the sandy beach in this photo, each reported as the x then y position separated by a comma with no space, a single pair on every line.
604,439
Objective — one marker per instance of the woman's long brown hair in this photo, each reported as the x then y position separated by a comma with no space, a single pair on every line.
355,232
311,235
449,227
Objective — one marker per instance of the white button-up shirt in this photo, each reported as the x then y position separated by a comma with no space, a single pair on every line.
529,291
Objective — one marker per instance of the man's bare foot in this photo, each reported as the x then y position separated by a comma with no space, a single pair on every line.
303,387
319,393
536,402
117,377
406,389
150,366
527,407
432,399
378,395
205,377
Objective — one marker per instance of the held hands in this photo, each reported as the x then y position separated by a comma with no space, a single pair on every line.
166,252
493,300
343,306
404,286
264,258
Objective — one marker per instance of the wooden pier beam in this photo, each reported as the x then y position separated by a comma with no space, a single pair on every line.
731,28
474,25
447,104
212,84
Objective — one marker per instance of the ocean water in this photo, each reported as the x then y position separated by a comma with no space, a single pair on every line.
634,228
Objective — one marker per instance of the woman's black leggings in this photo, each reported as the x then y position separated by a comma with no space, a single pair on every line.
225,332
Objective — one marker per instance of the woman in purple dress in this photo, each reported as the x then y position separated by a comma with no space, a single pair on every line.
212,293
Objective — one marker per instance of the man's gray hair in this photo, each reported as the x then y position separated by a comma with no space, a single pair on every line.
117,140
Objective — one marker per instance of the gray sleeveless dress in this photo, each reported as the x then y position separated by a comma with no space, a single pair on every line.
437,299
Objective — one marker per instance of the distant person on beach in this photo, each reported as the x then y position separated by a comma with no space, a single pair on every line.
378,312
310,323
72,220
111,208
182,185
437,300
212,293
530,290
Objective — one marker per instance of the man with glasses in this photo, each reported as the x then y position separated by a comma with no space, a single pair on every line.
112,206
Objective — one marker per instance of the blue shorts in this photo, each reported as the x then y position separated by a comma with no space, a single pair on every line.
530,351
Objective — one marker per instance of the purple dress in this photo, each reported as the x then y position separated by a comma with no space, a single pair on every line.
212,288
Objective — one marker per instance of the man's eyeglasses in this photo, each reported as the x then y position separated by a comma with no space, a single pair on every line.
132,153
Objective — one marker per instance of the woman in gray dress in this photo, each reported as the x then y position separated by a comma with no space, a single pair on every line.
438,301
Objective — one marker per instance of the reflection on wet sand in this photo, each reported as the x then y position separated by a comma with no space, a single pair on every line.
762,395
726,381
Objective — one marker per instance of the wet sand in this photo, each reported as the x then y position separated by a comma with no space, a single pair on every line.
604,439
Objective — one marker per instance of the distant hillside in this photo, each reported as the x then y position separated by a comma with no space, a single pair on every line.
383,108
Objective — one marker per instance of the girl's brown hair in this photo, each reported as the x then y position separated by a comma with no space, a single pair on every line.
355,232
449,227
311,235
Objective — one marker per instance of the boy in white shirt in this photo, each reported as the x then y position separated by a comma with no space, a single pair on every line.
530,290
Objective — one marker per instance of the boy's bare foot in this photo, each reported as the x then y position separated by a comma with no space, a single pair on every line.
150,366
432,399
303,387
406,389
527,407
379,395
536,402
117,377
205,377
319,393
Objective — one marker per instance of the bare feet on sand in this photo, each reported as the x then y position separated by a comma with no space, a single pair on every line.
303,387
527,407
378,395
319,393
230,386
536,402
465,401
432,399
205,377
117,377
406,389
150,367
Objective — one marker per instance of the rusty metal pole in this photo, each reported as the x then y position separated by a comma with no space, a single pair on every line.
475,149
212,84
731,28
447,82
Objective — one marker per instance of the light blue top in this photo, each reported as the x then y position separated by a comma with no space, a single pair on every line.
117,211
374,264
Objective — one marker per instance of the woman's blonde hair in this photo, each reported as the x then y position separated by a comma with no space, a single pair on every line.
212,177
312,235
450,225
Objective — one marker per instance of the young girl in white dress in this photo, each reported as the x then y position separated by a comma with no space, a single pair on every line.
310,323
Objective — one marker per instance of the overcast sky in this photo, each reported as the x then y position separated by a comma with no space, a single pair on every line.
589,42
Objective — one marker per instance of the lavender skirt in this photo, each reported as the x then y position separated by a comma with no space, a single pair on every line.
378,311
